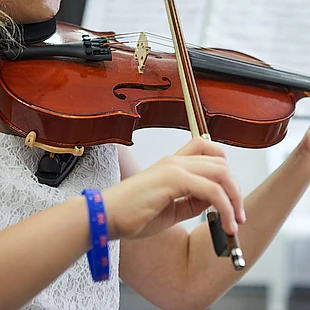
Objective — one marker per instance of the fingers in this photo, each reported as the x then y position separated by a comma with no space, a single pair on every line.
198,170
188,207
199,146
216,170
221,189
210,192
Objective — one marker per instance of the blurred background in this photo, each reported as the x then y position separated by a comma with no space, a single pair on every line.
275,31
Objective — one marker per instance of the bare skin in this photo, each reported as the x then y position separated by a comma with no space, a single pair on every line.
30,11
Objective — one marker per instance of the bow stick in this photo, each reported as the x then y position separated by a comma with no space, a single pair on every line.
224,245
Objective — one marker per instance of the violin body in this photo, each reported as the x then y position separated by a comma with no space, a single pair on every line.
69,101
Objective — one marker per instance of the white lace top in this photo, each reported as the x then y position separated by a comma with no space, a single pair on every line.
21,196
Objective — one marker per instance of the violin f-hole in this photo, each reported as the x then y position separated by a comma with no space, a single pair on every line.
140,86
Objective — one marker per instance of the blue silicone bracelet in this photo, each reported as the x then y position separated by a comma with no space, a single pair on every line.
98,256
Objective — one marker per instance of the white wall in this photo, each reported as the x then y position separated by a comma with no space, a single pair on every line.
141,15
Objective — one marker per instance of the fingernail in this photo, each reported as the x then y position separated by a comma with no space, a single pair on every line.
234,226
243,216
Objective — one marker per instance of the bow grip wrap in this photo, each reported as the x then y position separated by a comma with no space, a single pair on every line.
218,236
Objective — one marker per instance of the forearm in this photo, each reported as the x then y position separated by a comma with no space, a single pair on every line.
39,249
267,208
29,11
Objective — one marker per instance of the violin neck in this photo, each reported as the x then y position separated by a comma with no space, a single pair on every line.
208,63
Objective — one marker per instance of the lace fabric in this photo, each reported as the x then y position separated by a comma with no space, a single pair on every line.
21,196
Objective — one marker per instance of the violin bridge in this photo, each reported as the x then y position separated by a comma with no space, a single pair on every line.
141,52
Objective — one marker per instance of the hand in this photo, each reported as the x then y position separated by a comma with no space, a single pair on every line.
146,203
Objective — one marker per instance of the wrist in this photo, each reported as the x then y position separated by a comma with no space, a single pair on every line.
78,206
111,200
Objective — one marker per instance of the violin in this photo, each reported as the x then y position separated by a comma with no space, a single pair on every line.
82,88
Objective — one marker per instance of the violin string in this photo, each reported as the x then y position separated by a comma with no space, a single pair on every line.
209,51
136,34
193,52
193,46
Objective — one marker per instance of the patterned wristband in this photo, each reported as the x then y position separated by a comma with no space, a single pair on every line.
98,256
